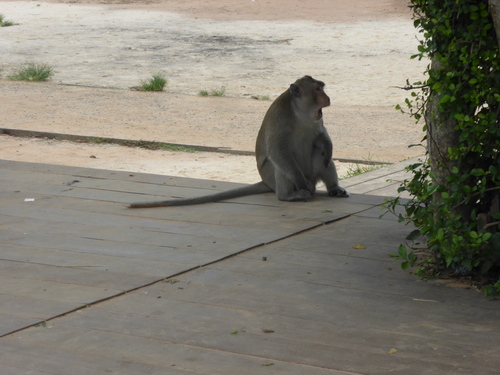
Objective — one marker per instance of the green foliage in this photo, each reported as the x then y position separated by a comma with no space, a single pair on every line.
151,145
156,83
5,23
458,34
261,97
492,290
408,258
32,72
213,92
358,168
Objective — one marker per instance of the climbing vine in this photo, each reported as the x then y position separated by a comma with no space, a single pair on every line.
457,214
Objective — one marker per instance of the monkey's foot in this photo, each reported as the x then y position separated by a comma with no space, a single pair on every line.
296,196
338,192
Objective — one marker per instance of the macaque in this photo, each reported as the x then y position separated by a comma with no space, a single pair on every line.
293,150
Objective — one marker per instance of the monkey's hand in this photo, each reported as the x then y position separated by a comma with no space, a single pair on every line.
324,145
338,192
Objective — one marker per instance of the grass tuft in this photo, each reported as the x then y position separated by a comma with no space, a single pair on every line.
261,97
357,169
214,92
5,23
32,72
156,83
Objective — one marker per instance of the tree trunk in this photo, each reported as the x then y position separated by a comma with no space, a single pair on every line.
441,135
494,6
495,15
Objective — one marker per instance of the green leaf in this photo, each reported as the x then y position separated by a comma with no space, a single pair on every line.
436,86
449,260
402,251
487,236
429,191
445,99
440,234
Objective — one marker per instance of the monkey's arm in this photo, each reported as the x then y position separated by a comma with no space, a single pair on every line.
324,144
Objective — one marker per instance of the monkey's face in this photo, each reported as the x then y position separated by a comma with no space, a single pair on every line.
321,100
311,95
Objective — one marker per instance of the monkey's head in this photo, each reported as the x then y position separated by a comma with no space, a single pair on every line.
310,95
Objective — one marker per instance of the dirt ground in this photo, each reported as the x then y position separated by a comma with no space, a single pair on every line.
100,49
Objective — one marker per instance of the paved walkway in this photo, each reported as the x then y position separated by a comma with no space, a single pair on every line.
250,286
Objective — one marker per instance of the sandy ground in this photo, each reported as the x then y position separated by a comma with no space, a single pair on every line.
100,49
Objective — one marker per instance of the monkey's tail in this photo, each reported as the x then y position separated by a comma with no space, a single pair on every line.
257,188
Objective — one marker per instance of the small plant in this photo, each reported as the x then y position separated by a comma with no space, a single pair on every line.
356,170
492,290
32,72
4,22
360,168
408,258
213,92
156,83
261,97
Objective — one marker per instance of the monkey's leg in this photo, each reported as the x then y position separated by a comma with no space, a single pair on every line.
286,190
283,187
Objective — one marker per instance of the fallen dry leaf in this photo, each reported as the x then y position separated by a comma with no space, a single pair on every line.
359,246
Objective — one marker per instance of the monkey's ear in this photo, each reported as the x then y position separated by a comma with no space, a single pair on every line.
295,90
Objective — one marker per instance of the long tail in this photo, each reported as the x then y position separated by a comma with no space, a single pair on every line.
257,188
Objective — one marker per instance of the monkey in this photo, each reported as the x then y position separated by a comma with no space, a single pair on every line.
293,150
